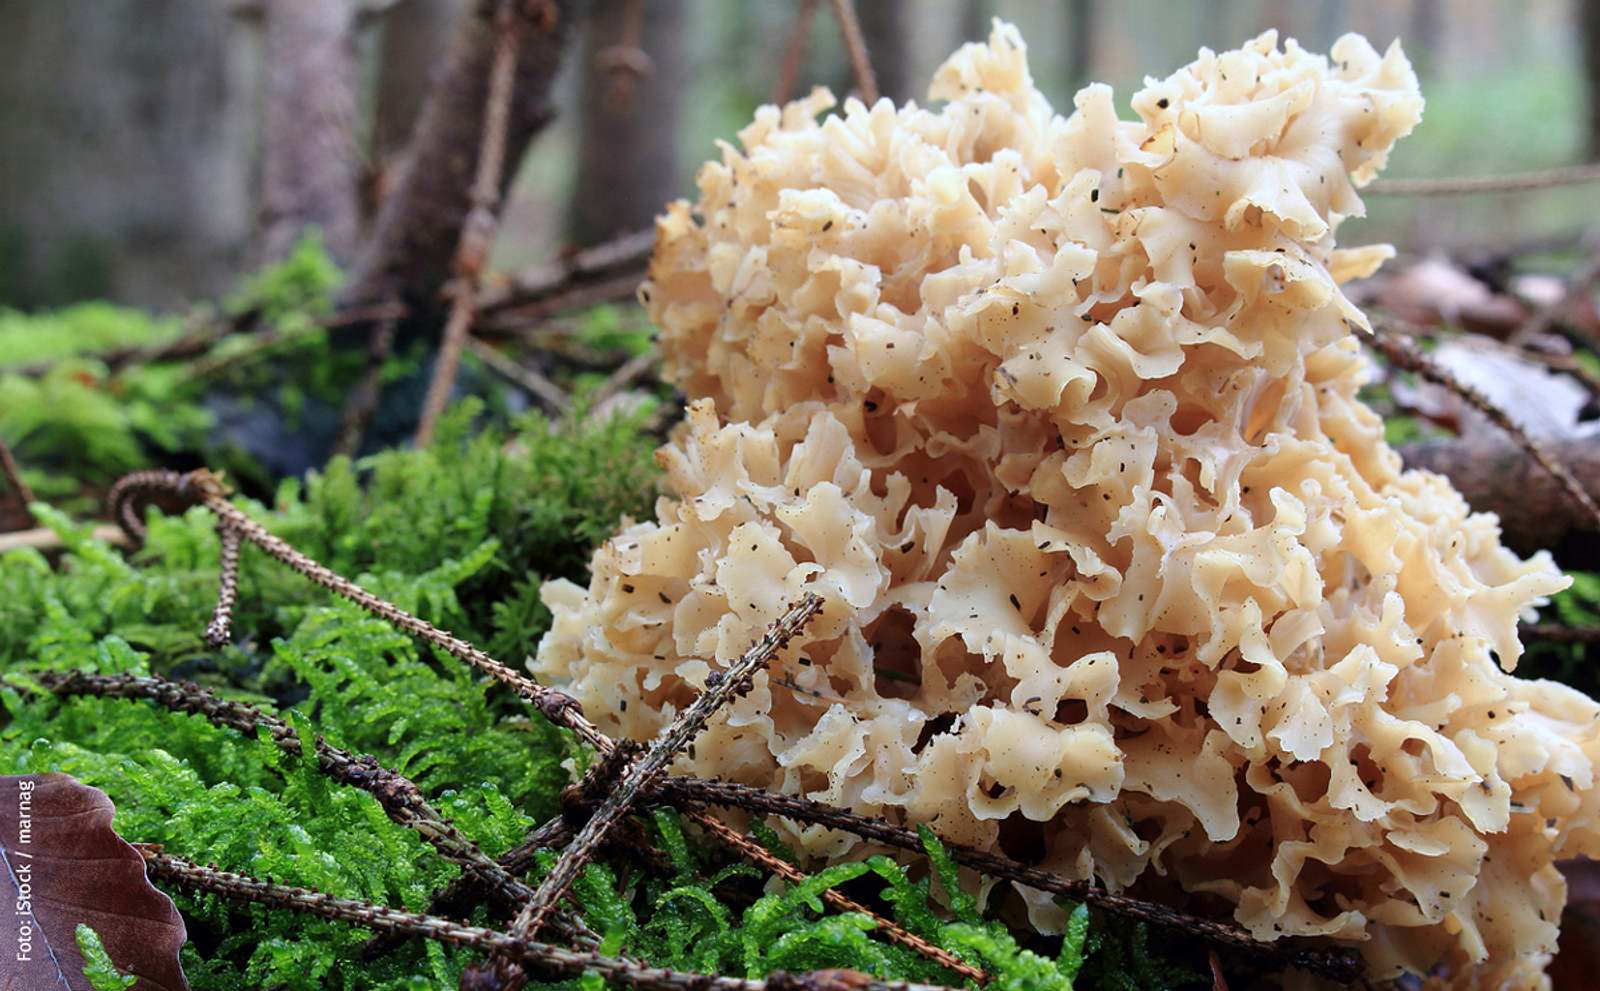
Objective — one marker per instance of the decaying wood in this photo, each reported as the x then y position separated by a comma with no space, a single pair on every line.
310,156
1495,475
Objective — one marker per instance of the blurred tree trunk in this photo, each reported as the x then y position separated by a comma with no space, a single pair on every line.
415,40
634,74
125,147
1424,38
886,27
1081,19
1589,11
409,254
310,154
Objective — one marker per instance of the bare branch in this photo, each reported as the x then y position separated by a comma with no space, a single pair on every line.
13,475
1516,182
529,380
1403,352
644,772
856,46
547,961
400,798
756,853
218,631
204,487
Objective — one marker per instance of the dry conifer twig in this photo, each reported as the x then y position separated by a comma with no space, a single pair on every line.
477,234
856,45
758,854
547,961
219,630
399,797
1402,351
362,403
206,488
1567,175
645,771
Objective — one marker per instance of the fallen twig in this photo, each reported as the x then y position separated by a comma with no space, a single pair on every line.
838,900
400,798
547,961
477,234
362,403
45,539
205,488
856,46
1569,175
624,376
1403,352
529,380
1580,283
218,630
644,772
1557,633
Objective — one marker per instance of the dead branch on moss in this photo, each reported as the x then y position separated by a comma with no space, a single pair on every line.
1403,353
400,798
608,271
362,403
530,380
205,488
641,774
218,631
646,785
543,959
836,899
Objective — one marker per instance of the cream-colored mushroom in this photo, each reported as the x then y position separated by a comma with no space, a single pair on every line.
1059,416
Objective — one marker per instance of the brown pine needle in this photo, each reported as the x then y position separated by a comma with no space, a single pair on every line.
856,46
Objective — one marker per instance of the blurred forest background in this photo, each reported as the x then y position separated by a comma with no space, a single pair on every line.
135,134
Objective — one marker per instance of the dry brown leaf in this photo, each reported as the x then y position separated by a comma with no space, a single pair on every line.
61,864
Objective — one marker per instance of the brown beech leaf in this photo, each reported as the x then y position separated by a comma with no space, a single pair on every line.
60,865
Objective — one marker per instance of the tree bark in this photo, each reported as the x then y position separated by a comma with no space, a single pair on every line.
408,257
886,26
125,136
634,75
412,50
311,163
1497,476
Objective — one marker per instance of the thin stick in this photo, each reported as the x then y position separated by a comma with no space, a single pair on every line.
1569,175
399,797
645,771
624,376
794,52
477,233
1580,283
529,380
856,45
205,488
218,631
8,465
362,403
838,900
547,961
686,793
45,539
1403,352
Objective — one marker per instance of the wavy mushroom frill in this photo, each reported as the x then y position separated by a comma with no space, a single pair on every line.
1059,417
